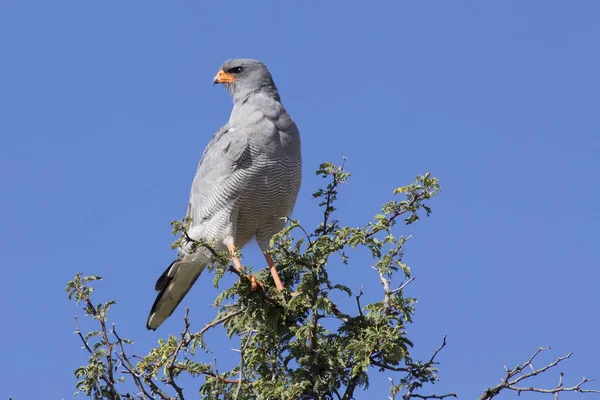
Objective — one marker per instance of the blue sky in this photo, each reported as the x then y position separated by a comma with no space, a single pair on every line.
106,108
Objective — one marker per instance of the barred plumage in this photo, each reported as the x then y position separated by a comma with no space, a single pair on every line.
246,183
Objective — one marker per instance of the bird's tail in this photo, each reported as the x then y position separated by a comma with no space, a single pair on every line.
172,286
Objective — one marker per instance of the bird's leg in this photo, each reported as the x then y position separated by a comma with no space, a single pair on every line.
254,283
273,270
236,261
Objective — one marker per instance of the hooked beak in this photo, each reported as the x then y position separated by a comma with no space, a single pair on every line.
223,77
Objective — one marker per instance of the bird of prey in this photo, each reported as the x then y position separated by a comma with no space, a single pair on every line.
246,183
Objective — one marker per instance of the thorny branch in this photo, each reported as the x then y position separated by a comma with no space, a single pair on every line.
186,339
129,368
172,355
331,196
140,379
171,364
155,389
387,292
560,379
241,366
306,234
434,396
358,296
108,379
86,345
410,207
417,371
516,375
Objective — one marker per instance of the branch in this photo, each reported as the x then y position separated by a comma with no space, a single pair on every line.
211,374
109,347
195,242
417,372
78,332
213,324
358,300
349,393
387,292
171,364
435,353
405,284
230,267
556,390
434,396
306,234
242,352
108,379
560,378
418,197
509,383
331,193
130,369
104,377
388,367
156,389
172,367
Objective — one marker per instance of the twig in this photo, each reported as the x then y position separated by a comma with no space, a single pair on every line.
78,332
388,367
156,389
418,197
171,364
172,367
434,396
560,378
88,348
509,383
130,368
386,291
349,393
109,346
242,353
331,192
416,372
108,379
310,242
556,390
198,242
213,324
216,372
211,374
360,293
431,360
405,284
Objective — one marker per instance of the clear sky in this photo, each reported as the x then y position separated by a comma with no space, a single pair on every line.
105,109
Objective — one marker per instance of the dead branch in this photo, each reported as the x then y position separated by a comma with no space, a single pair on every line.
516,375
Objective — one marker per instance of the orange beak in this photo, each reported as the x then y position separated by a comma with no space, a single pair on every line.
223,77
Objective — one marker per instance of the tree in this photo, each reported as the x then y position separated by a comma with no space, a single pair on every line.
297,345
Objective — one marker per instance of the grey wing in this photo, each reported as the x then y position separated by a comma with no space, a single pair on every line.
211,192
225,152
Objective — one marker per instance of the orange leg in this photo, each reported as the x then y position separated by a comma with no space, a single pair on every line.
273,270
236,261
254,283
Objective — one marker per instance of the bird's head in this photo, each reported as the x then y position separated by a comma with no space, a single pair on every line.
244,77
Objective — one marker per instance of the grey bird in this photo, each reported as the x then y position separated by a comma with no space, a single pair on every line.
245,186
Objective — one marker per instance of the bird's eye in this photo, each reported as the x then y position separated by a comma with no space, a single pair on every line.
236,70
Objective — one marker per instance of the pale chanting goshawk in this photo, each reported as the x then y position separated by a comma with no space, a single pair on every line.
245,186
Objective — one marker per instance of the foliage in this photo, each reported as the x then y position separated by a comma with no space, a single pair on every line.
295,344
